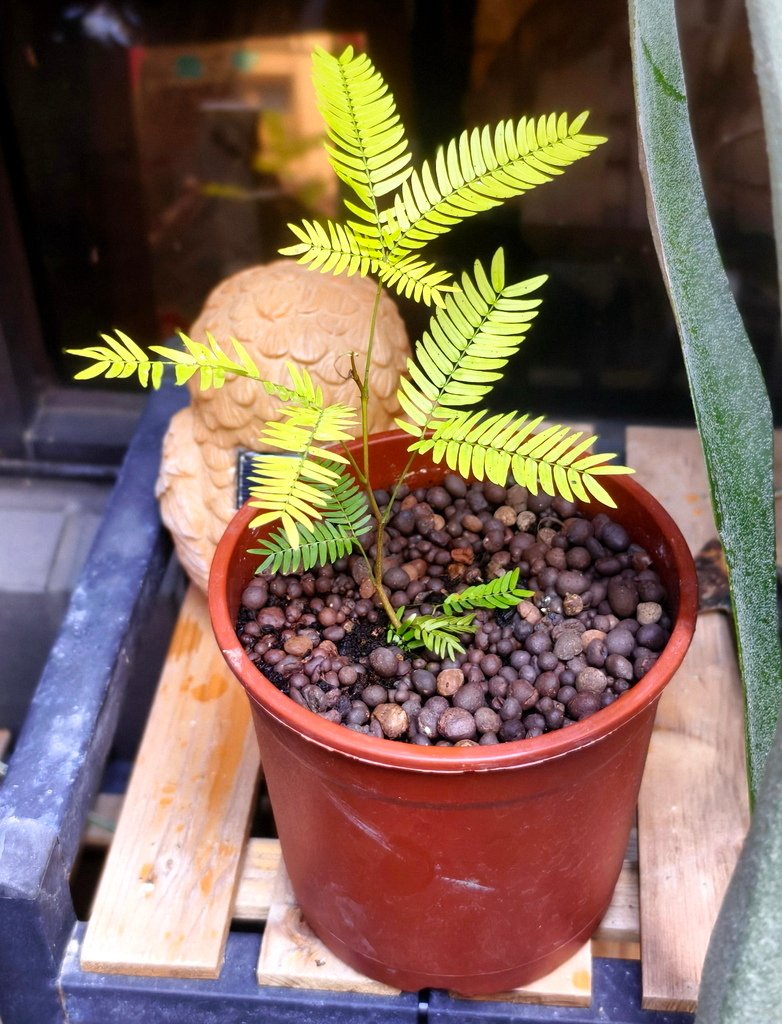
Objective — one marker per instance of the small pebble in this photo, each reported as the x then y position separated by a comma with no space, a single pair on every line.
591,680
298,645
456,724
449,681
568,645
393,720
384,661
648,612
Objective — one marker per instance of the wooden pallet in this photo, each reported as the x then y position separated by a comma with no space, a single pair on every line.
181,866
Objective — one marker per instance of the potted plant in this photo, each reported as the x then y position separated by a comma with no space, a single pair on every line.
482,850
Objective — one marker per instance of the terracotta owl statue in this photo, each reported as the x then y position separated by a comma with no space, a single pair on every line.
280,311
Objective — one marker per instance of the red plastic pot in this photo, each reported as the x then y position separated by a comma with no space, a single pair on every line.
476,869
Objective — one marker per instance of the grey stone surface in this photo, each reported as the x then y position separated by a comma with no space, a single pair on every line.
46,529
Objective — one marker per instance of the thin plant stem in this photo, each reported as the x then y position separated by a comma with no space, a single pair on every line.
365,380
398,484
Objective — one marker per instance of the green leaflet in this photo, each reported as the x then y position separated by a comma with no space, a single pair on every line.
502,592
436,633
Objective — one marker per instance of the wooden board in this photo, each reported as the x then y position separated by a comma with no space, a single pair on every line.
570,984
692,814
257,880
294,957
164,901
618,934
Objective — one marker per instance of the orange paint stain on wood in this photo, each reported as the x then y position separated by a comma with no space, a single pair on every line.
211,690
581,980
185,639
147,873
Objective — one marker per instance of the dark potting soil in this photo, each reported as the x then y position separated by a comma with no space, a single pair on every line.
594,626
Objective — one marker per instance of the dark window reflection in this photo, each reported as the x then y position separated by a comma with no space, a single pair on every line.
155,148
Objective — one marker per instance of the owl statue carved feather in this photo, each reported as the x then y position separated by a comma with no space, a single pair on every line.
280,311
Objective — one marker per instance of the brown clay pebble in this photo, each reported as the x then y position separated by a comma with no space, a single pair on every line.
384,661
591,680
274,617
449,681
392,718
615,537
568,645
374,695
619,667
583,705
396,578
298,645
255,596
456,724
651,636
487,720
622,596
648,612
620,641
470,697
506,515
571,581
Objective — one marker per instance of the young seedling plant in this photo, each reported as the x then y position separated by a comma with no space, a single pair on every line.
321,494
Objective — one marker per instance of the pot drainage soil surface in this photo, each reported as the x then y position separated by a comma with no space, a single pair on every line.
595,624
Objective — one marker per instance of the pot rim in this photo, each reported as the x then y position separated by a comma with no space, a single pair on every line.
433,759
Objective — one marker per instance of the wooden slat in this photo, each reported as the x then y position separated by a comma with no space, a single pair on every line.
294,957
692,813
164,901
617,934
256,882
569,985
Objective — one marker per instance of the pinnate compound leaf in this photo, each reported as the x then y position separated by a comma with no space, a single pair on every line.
367,148
481,169
320,545
467,345
439,634
494,446
298,488
502,592
122,357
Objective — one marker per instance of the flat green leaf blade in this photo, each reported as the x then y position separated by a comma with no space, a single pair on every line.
741,981
730,400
